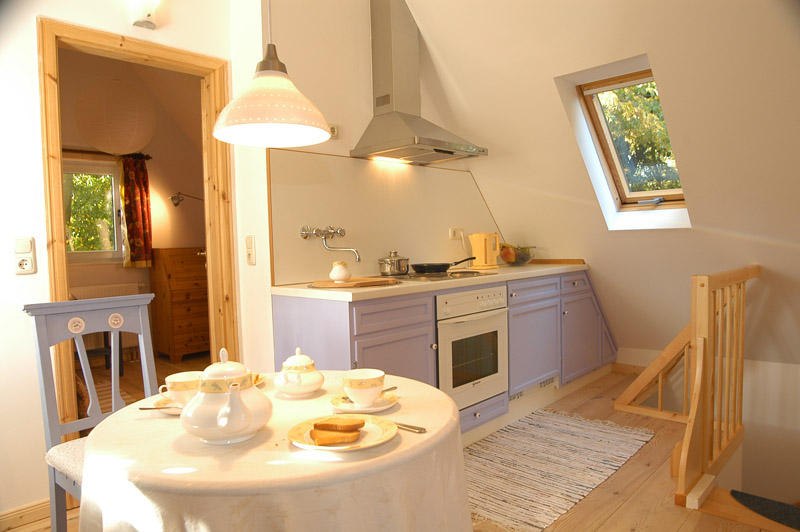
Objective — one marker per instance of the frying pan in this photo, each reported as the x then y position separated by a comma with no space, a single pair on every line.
437,267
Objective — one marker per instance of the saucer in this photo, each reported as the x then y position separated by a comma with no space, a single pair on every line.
162,402
342,405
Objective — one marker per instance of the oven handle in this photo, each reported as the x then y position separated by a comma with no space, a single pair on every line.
474,317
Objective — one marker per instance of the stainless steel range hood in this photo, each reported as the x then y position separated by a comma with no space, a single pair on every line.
397,130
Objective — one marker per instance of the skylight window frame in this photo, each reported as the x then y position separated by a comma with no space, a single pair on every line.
623,197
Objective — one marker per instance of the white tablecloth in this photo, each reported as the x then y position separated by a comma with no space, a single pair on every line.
142,471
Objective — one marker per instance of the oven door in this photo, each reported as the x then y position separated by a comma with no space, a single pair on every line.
473,356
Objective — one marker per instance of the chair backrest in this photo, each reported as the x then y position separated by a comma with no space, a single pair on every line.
72,320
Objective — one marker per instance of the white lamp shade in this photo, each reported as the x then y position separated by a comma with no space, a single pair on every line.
271,113
115,116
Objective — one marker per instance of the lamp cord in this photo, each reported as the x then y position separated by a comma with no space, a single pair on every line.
266,22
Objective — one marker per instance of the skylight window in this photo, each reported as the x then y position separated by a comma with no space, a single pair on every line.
625,112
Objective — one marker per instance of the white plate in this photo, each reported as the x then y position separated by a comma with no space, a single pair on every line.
340,404
163,401
376,431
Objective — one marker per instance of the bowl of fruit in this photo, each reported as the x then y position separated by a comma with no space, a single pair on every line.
515,255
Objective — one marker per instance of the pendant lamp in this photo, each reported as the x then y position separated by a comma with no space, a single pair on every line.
271,112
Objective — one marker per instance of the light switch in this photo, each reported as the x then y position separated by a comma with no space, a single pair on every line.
25,254
250,247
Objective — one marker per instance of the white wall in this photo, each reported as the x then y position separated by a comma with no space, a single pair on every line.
381,206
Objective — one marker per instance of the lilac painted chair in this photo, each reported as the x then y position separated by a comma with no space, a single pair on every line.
71,320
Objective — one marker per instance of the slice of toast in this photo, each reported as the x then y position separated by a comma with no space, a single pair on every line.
340,424
333,437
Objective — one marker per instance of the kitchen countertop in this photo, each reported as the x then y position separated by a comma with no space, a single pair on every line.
405,287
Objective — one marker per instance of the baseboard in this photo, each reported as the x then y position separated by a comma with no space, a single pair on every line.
30,513
627,369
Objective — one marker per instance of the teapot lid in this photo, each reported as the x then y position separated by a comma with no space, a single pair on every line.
224,368
298,361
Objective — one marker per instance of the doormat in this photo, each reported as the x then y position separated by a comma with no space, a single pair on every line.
527,474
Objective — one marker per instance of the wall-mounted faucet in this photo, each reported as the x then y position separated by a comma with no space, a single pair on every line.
329,232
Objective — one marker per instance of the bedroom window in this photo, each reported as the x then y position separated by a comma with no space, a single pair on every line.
92,210
631,133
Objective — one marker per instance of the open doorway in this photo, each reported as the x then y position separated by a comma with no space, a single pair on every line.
110,107
211,78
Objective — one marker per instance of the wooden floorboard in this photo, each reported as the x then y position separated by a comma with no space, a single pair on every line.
639,496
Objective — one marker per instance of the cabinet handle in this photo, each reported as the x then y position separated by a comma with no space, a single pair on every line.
434,346
477,415
574,283
565,312
513,294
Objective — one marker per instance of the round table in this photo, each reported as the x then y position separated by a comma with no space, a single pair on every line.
142,471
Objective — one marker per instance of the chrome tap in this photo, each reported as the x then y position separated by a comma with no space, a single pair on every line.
329,232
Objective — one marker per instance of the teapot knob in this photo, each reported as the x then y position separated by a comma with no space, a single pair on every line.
223,355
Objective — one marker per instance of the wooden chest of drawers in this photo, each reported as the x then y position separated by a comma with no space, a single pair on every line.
180,309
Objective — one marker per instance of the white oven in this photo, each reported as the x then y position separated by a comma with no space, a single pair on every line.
472,331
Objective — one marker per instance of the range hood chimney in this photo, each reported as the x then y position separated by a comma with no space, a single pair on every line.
397,130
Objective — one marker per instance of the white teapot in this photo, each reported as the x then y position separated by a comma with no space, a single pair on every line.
298,376
228,408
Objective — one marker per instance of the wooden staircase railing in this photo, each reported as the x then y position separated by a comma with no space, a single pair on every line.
654,379
710,352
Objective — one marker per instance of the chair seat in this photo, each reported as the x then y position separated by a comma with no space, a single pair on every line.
67,458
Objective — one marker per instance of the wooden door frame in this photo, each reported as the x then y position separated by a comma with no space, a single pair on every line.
217,183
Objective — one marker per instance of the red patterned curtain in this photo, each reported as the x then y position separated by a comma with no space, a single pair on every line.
136,199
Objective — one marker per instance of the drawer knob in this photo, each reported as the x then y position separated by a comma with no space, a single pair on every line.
477,415
574,283
513,294
565,312
434,346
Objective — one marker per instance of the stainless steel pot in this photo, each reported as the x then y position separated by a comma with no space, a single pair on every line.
393,264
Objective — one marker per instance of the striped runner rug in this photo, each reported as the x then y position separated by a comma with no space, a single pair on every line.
527,474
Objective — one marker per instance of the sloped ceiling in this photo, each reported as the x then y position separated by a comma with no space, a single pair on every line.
729,75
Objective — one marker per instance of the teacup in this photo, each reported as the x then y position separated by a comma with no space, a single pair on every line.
180,387
363,386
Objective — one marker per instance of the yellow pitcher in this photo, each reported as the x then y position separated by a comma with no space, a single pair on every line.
486,248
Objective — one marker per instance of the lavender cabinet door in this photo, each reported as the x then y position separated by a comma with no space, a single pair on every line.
534,343
580,335
408,352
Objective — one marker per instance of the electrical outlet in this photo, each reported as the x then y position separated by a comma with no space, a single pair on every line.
25,253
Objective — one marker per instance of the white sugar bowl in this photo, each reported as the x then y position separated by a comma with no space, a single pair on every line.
298,376
228,408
